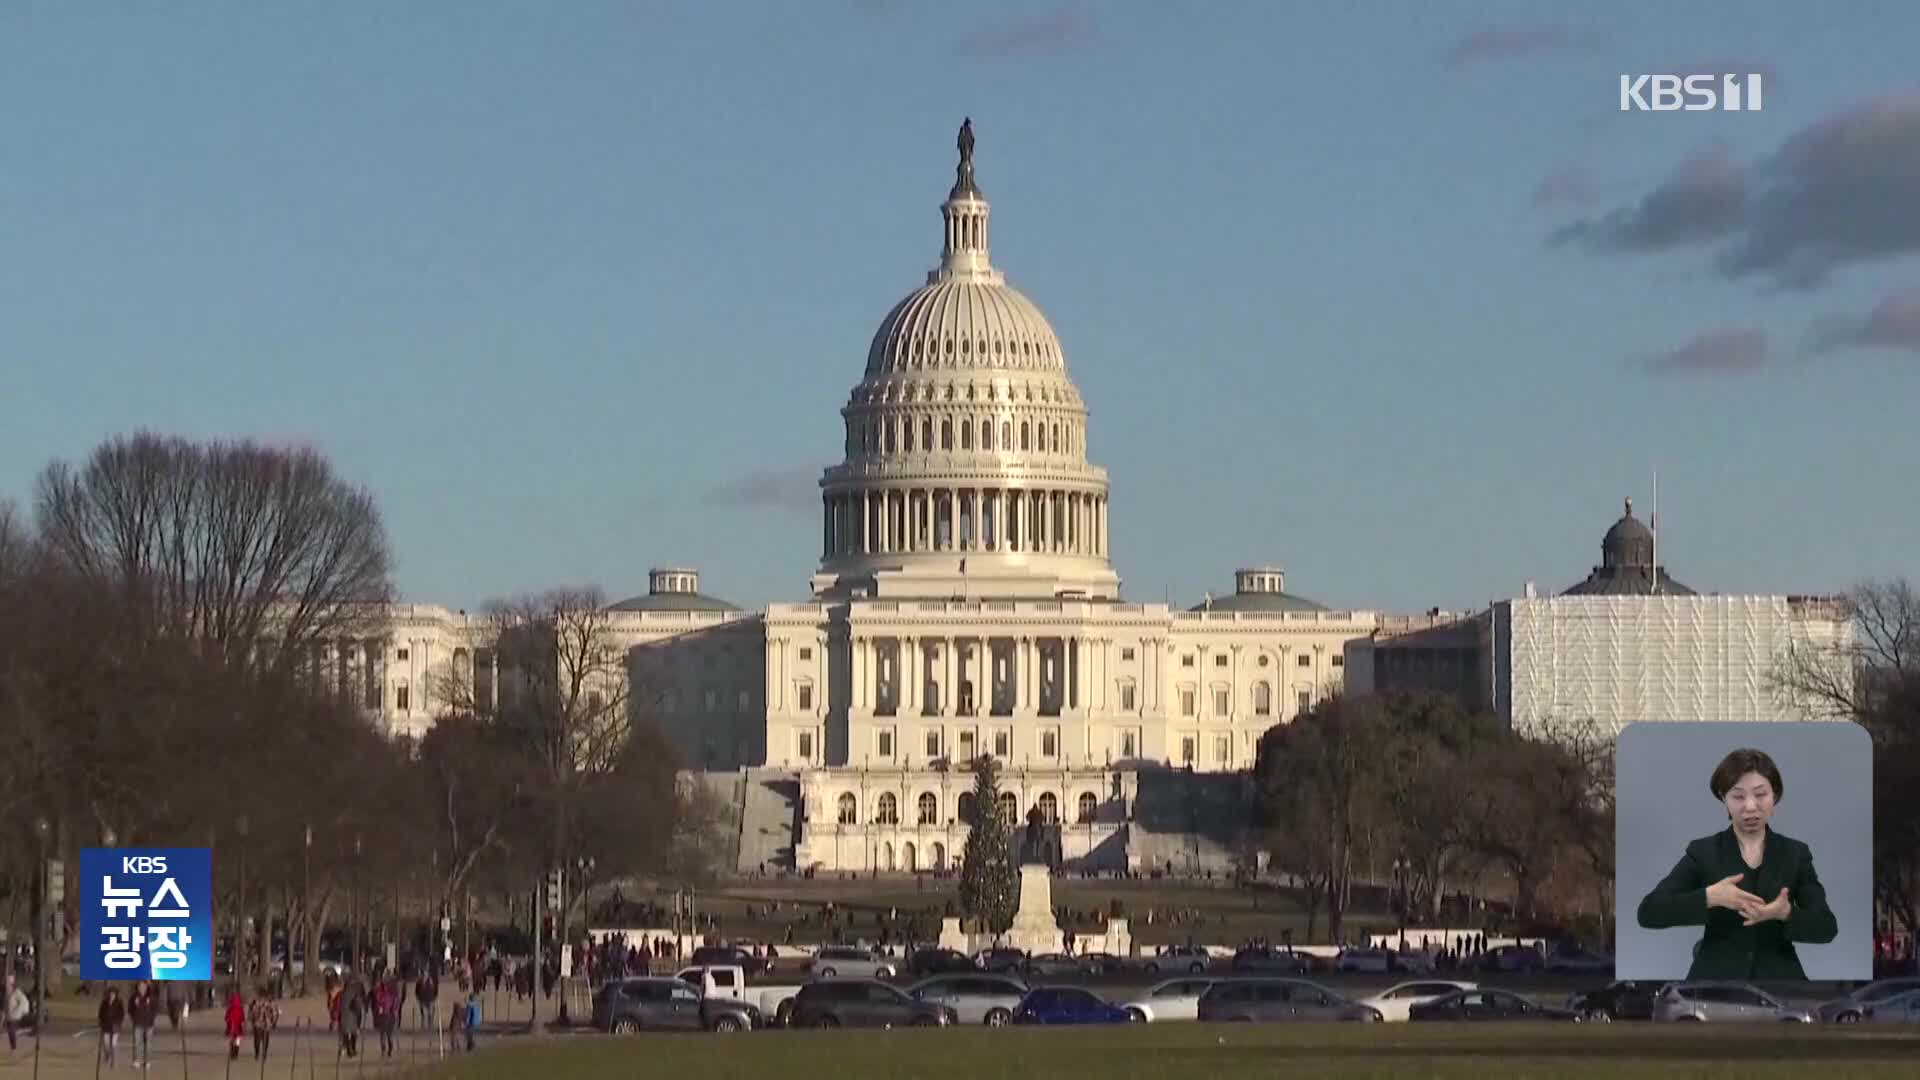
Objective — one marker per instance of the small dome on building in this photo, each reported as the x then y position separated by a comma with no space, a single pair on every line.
673,588
1627,568
1259,588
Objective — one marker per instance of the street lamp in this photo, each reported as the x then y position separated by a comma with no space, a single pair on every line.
353,956
306,909
43,832
1401,867
240,908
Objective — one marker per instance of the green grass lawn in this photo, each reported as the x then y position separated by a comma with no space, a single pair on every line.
1221,1051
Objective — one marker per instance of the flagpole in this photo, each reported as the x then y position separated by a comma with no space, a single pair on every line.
1656,530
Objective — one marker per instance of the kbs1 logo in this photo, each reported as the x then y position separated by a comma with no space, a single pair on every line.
1690,93
146,913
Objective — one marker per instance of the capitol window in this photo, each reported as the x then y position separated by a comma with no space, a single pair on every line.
1262,699
1006,434
1339,661
1187,660
1129,744
400,697
1306,700
1222,745
1126,653
926,435
906,436
1304,661
889,809
986,434
804,696
804,744
1186,749
933,743
806,652
966,435
946,434
1220,660
1220,702
1126,697
1187,703
1024,439
849,809
929,809
1050,743
1000,744
883,745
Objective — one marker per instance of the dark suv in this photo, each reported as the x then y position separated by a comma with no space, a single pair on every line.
832,1003
657,1004
724,955
1622,999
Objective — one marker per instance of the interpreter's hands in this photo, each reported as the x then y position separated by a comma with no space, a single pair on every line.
1727,893
1778,908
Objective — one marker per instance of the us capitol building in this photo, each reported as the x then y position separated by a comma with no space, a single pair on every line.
964,604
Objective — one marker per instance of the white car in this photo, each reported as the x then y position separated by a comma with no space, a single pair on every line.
1393,1002
1175,999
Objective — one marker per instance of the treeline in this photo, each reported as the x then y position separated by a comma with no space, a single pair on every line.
1416,792
162,608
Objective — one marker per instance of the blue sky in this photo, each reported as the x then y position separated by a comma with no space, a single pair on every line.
1389,293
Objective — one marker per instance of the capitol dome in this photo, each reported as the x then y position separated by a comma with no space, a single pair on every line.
965,465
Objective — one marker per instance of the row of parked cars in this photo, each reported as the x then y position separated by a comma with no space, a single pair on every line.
1895,1001
717,999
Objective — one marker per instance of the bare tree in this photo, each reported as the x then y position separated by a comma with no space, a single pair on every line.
257,553
1833,679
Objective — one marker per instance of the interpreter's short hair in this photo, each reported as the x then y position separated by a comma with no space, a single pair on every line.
1741,762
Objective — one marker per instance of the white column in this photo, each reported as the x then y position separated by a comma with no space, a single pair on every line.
857,646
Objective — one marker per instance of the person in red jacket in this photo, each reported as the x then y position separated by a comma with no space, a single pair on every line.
236,1022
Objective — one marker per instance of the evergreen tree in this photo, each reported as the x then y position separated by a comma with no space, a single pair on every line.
989,892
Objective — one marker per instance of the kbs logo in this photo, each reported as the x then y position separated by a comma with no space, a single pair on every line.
1690,93
146,913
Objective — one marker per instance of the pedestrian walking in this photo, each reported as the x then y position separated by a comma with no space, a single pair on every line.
113,1013
236,1022
143,1008
263,1016
424,992
386,1014
15,1008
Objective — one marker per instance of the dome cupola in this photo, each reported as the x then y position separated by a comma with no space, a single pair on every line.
965,467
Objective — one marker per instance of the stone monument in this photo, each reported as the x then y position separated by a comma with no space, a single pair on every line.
1034,929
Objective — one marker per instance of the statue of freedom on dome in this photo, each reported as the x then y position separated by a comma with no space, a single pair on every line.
966,141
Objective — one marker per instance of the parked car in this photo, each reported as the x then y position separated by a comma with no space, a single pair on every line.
1851,1008
834,961
1053,966
1265,960
1477,1004
662,1004
1723,1001
1376,961
1394,1001
1001,961
725,955
1901,1008
1067,1005
1279,999
1191,959
1175,999
939,962
1579,962
832,1003
1104,963
729,982
1621,999
1512,958
975,998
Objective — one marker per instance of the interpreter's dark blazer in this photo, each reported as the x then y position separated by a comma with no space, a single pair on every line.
1729,950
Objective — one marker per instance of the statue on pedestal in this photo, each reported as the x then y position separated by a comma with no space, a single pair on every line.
1039,846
